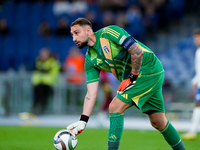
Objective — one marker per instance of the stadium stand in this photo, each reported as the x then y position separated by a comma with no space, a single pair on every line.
24,17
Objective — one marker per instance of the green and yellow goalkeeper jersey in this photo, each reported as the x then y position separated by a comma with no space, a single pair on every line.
108,54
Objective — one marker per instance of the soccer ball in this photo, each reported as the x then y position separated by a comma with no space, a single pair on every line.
65,140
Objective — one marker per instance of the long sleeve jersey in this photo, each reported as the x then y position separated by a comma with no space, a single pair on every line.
196,79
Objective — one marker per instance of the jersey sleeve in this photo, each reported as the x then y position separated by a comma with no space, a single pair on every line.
116,34
92,73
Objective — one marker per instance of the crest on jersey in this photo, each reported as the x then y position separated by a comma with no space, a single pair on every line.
106,49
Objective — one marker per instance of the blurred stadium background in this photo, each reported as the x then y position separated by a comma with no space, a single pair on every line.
166,26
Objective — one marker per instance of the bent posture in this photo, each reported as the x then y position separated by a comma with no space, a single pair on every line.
141,74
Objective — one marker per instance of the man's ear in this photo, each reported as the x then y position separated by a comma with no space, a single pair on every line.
88,30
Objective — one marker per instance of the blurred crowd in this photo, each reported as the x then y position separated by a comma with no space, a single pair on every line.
138,17
143,19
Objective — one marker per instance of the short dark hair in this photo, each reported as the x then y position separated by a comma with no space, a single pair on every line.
81,22
196,31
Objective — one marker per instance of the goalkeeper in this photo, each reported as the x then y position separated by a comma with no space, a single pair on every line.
141,74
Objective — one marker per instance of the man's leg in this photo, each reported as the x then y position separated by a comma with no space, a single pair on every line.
116,109
195,121
192,133
159,122
37,97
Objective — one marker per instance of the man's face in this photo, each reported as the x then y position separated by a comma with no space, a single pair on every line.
80,36
44,54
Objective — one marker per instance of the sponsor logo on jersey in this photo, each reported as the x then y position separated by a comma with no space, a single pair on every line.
122,39
105,48
98,61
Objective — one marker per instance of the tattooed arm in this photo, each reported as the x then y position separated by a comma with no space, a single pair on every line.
136,57
136,61
90,98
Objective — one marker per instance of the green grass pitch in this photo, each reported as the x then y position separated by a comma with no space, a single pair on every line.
41,138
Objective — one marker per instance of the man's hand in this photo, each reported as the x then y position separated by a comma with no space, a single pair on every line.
77,127
127,83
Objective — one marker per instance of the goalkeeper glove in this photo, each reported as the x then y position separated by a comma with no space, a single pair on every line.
78,126
127,83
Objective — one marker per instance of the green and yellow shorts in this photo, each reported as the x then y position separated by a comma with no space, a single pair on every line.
146,94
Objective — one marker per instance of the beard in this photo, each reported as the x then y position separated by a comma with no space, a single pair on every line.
82,45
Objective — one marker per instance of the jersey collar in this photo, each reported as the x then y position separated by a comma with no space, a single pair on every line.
96,43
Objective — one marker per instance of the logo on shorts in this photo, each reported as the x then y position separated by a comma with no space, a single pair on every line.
105,48
125,96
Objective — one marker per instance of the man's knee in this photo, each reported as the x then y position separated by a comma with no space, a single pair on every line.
157,125
118,106
158,121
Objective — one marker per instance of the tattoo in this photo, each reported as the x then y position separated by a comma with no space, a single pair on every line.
87,98
136,57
